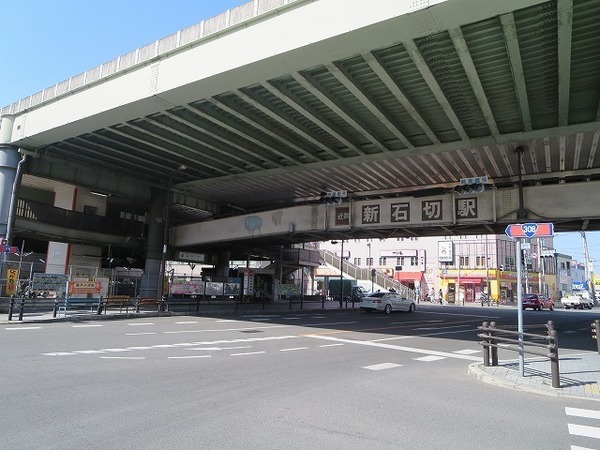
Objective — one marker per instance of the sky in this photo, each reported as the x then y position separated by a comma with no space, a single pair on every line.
45,42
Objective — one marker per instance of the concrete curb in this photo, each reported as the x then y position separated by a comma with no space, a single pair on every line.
478,371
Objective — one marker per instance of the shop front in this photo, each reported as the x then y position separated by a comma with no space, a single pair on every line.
467,285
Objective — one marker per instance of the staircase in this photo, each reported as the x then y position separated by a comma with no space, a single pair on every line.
359,273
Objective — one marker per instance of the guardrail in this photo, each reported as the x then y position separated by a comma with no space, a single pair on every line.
492,337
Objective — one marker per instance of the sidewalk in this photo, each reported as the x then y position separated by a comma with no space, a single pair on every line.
579,376
216,308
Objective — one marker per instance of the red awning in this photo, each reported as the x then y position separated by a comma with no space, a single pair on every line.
408,276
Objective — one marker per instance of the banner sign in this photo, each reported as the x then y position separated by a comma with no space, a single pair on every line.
84,287
12,279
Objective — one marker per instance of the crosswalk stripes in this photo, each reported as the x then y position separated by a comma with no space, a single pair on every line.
584,431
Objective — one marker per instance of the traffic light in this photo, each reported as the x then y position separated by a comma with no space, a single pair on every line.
595,329
333,197
474,185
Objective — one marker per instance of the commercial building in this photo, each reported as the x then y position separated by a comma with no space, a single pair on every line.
462,267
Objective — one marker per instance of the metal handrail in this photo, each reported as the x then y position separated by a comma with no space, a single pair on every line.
360,273
492,336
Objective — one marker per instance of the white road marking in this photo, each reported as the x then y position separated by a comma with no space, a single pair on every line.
189,357
395,347
576,447
140,334
247,353
292,349
578,412
225,320
467,351
457,314
221,348
429,358
186,323
583,430
88,352
183,344
209,349
22,328
226,329
382,366
441,328
140,324
87,326
122,357
327,324
330,345
395,338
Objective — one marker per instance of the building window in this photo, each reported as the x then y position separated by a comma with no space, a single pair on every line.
357,261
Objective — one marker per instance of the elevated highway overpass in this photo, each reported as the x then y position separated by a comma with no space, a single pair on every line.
261,109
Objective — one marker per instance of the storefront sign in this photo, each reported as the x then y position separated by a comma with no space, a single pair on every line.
84,287
12,278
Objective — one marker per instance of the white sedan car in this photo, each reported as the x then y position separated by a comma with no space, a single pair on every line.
386,302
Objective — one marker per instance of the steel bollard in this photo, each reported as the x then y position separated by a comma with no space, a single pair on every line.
486,348
11,305
493,346
554,361
22,308
99,310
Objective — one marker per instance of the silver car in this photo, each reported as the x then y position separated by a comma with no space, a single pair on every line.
386,302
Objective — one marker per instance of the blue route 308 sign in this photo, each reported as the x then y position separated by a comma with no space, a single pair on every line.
530,230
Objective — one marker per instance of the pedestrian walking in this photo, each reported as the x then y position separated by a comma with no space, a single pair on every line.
441,297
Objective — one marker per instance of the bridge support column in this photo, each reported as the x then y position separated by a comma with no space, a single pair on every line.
222,265
9,161
150,285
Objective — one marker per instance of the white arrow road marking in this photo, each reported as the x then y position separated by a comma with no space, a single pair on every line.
182,344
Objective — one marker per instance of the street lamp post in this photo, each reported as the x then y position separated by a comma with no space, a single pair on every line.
341,271
370,262
342,275
457,299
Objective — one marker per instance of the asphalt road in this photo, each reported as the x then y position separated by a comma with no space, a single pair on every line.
332,380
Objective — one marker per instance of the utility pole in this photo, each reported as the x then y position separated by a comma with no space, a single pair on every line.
589,274
541,242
